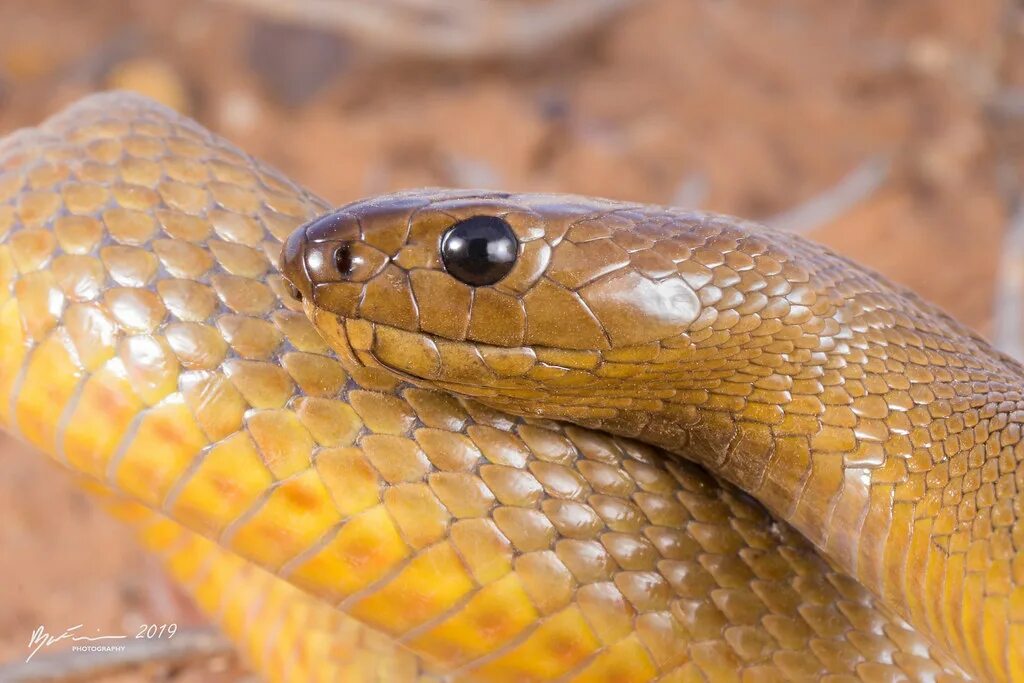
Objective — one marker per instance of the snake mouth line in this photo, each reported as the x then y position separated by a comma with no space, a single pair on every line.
492,389
339,340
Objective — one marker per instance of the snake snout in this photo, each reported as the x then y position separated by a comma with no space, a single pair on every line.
293,266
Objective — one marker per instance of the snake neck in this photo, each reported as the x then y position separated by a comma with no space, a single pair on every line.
885,431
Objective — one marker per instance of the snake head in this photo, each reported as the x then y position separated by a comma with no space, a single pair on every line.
511,298
561,306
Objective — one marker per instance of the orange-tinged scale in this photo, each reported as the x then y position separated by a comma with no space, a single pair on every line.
363,550
484,549
37,207
228,481
243,295
251,338
994,632
492,617
398,459
41,303
934,580
105,408
187,300
315,374
262,384
129,266
129,227
150,365
51,377
299,331
1016,650
234,227
139,171
916,535
196,345
433,582
283,441
952,596
182,226
162,447
233,198
81,278
330,422
181,258
382,413
971,622
190,199
295,514
215,402
558,645
625,662
135,309
239,260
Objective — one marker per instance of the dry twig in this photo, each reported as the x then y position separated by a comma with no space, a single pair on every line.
448,29
1008,332
855,187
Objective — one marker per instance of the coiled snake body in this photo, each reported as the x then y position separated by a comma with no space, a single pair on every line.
148,342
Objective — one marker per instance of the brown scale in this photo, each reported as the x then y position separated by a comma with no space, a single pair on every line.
875,424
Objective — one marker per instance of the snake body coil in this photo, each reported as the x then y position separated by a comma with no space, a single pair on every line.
875,424
148,342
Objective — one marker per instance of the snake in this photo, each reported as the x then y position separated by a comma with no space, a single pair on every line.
466,436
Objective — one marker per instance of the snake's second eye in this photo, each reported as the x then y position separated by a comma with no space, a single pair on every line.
480,250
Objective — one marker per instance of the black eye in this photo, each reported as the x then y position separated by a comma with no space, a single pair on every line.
480,250
343,258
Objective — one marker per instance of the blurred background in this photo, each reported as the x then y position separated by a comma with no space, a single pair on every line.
891,131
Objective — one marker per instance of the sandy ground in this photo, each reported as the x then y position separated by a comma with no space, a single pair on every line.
741,107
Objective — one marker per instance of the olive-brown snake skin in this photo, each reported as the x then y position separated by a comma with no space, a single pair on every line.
148,342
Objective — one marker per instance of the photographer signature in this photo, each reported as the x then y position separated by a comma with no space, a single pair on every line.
40,639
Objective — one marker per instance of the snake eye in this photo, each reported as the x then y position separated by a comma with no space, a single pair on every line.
480,250
343,259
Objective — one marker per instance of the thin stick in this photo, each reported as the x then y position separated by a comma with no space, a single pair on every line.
1008,332
855,187
447,29
692,191
187,644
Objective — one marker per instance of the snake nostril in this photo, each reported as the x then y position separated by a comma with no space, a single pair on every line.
293,291
343,259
